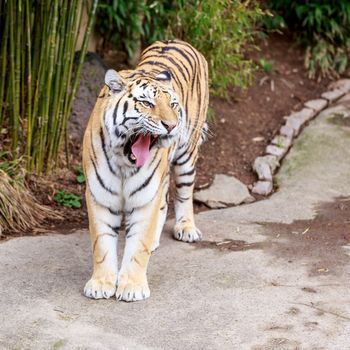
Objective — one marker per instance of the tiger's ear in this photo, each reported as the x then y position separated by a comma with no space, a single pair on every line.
114,81
164,77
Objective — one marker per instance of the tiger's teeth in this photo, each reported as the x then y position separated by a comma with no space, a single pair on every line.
132,157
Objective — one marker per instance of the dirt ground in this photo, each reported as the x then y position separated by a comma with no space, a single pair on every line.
241,128
320,240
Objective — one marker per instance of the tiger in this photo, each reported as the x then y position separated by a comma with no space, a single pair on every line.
146,122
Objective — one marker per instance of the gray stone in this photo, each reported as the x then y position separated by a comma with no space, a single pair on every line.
265,166
223,192
295,124
317,105
279,152
298,119
333,95
287,130
303,115
282,141
263,188
262,169
341,84
272,161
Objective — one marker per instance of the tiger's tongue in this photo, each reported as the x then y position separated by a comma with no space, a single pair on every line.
140,149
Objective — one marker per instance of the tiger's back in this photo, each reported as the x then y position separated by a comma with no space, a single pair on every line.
144,120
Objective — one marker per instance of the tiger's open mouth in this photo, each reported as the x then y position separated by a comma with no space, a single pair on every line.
138,147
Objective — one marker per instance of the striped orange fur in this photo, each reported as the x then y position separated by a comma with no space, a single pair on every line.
145,122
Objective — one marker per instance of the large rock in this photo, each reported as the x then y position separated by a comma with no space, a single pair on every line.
224,191
90,83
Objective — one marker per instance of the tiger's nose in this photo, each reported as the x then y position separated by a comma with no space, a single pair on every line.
168,126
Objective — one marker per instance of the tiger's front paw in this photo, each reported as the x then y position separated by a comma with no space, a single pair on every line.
130,290
187,232
99,288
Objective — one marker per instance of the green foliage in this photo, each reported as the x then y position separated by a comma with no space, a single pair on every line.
69,200
222,30
265,65
125,23
38,75
323,27
80,177
12,167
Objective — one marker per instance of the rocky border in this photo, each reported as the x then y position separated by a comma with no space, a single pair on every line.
267,165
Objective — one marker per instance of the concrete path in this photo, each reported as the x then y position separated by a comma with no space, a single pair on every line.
251,285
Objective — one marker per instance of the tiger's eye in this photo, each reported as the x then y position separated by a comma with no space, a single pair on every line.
147,104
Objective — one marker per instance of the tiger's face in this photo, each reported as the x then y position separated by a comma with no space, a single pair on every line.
146,114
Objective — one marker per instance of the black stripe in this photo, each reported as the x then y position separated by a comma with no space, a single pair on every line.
162,55
187,159
127,230
128,118
136,72
191,172
115,112
151,48
184,184
100,179
168,48
177,66
92,146
181,199
147,180
164,66
105,152
114,228
125,108
181,155
112,211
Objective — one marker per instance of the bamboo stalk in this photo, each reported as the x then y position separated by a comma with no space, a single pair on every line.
58,90
3,59
47,93
91,12
68,61
37,64
15,110
17,97
40,84
29,82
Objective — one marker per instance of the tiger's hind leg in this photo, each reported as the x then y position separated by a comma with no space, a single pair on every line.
184,168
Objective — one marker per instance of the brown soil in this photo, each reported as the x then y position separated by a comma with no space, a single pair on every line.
242,127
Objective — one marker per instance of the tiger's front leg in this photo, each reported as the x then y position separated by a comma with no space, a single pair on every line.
141,231
184,168
104,225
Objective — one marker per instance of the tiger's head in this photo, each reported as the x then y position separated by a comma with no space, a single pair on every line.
142,113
